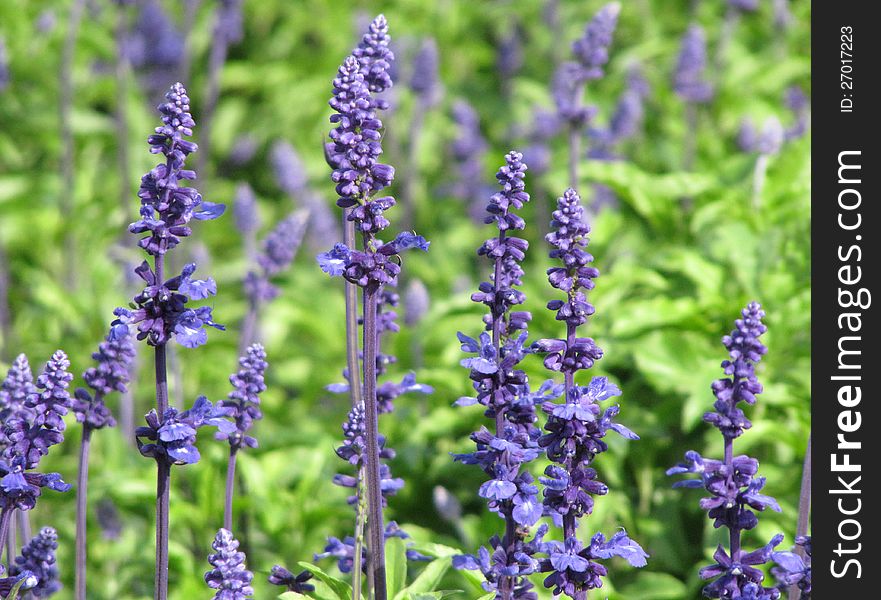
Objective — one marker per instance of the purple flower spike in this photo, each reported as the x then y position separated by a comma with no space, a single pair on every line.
503,389
14,393
38,559
166,207
243,403
689,78
424,81
575,430
244,209
229,577
592,49
110,374
734,487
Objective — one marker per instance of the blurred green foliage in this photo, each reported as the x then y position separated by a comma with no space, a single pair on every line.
675,274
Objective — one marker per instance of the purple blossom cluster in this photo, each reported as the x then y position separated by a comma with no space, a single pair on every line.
468,151
689,78
591,53
735,489
794,569
278,252
171,437
575,429
243,402
166,211
111,373
293,583
229,577
353,154
30,433
503,389
37,559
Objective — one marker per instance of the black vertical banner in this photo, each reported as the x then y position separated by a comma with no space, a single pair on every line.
846,45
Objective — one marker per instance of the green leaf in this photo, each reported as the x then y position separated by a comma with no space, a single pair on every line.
396,566
655,586
339,587
429,578
490,596
13,593
292,596
433,595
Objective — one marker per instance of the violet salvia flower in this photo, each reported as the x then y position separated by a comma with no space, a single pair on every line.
229,577
591,50
110,374
244,210
38,558
166,211
591,53
689,78
41,425
359,176
575,429
29,437
503,389
27,579
14,392
171,439
424,79
791,569
278,252
800,105
416,302
375,57
509,57
293,583
243,405
468,151
734,487
292,178
344,550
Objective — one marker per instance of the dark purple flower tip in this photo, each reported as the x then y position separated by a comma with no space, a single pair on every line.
294,583
334,261
229,576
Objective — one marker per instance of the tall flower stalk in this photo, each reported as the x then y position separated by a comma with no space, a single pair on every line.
353,153
734,487
575,430
110,374
503,389
243,405
691,85
591,53
161,313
